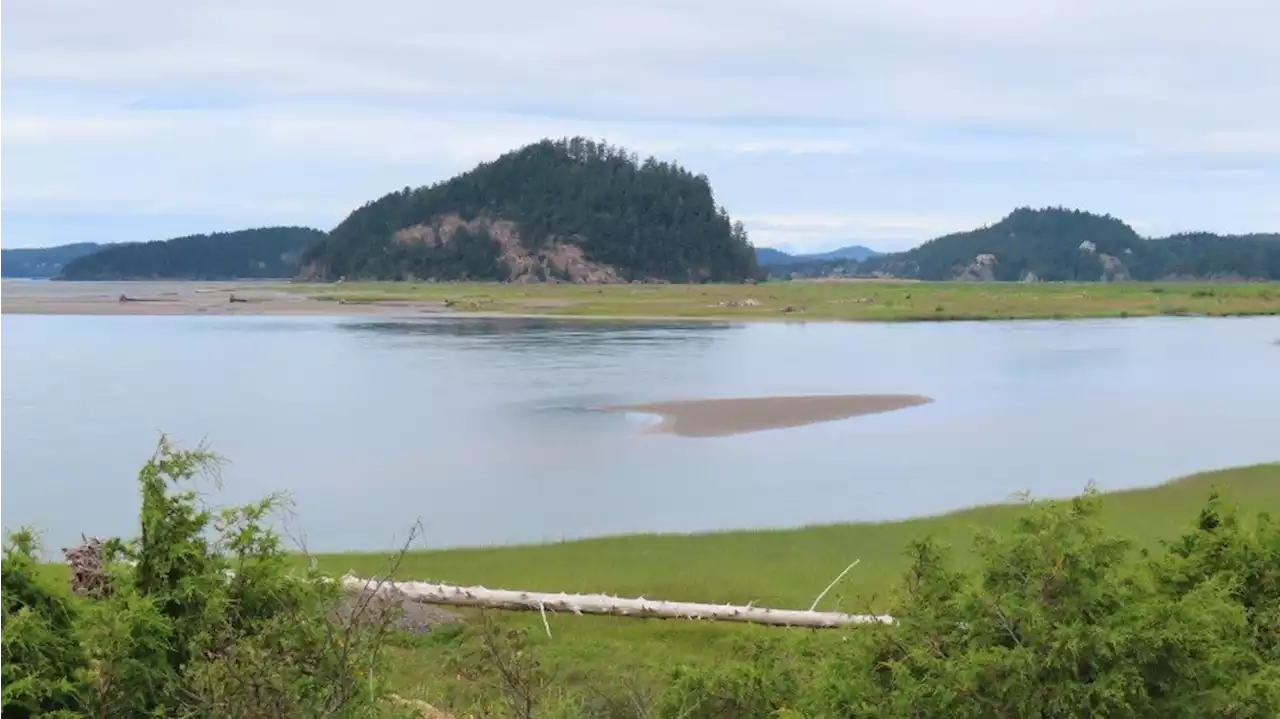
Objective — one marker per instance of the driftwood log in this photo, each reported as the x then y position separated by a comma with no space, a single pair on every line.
90,579
450,595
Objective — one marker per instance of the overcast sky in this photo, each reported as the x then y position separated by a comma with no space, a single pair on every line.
819,122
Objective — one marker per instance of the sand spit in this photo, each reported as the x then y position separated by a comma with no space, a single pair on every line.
180,298
723,417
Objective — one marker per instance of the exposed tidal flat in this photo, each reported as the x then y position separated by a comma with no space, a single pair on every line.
865,300
740,415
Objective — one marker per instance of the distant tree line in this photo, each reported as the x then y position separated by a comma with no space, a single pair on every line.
42,262
1058,244
268,252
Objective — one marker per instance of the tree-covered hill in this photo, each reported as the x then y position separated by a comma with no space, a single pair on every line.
557,210
42,261
268,252
1057,244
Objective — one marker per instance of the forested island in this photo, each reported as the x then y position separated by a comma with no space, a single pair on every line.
1058,244
267,252
42,262
571,210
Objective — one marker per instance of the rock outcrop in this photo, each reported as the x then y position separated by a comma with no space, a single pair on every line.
556,260
1113,270
982,269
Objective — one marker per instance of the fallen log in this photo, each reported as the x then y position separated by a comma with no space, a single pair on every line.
484,597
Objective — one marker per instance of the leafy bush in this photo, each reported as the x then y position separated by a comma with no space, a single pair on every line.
1056,619
43,664
205,616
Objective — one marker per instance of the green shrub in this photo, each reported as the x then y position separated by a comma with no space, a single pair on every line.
204,616
1057,619
45,668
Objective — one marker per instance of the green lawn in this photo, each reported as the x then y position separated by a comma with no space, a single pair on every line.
826,300
785,568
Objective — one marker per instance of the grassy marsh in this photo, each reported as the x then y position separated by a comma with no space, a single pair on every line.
785,568
824,300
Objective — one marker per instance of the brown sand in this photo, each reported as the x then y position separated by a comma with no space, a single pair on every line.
723,417
180,298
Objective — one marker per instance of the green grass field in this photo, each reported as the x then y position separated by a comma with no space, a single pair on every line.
826,300
785,568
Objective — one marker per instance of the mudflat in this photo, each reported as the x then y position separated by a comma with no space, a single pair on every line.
723,417
177,298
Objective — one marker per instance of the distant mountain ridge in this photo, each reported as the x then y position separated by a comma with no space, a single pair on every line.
571,210
766,256
42,262
259,253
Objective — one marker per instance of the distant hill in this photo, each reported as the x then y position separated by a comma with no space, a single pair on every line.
766,256
856,253
561,211
41,262
268,252
1057,244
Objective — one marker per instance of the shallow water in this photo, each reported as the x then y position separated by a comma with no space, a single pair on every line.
485,430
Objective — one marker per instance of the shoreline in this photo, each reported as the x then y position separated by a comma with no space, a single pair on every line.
796,302
1199,484
251,298
429,310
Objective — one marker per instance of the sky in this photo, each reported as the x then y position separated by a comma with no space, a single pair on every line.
820,123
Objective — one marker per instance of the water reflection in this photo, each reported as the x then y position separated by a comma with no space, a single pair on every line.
539,327
554,335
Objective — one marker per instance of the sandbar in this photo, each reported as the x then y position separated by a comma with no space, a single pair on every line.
182,297
724,417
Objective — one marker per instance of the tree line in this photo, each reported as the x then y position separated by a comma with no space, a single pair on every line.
267,252
1059,244
42,262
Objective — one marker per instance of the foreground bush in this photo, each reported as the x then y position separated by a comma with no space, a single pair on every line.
1056,619
202,615
44,664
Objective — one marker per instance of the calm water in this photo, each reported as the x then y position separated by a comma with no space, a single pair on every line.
483,428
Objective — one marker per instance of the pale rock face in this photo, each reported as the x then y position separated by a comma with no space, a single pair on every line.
982,269
1088,247
556,260
1113,270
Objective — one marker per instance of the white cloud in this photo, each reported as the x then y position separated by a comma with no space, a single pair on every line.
1060,63
906,117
